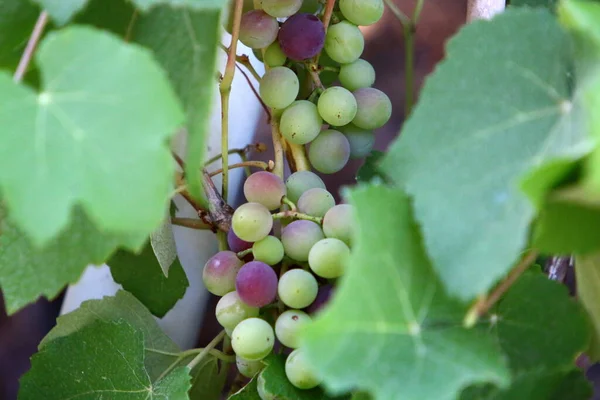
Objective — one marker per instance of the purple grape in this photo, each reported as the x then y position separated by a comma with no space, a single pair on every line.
256,284
258,29
323,296
302,36
220,271
235,243
299,237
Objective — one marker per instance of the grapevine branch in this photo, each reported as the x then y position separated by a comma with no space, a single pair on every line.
191,223
294,215
32,43
484,9
257,164
258,147
206,350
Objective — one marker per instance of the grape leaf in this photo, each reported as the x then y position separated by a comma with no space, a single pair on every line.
390,315
80,140
534,3
248,392
105,360
122,306
507,110
27,272
369,172
62,11
162,241
185,43
141,275
17,18
193,4
208,379
587,272
273,382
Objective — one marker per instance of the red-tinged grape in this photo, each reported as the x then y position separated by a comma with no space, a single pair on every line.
228,13
338,223
281,8
258,29
252,222
301,181
356,75
329,152
231,310
315,202
361,140
344,42
302,36
322,299
362,12
279,87
288,326
328,258
297,288
337,106
298,238
235,243
274,56
253,339
220,271
256,284
300,372
300,123
265,188
374,108
268,250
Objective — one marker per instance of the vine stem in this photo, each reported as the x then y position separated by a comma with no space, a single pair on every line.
299,156
328,12
257,164
206,350
290,203
186,353
296,216
191,223
32,43
484,9
259,147
277,147
225,90
482,306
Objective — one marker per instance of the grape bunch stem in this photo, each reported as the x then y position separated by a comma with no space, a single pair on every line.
295,215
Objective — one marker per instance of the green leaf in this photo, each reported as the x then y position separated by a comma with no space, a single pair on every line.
587,273
79,141
105,360
273,382
391,317
141,275
17,18
248,392
162,241
208,379
185,44
551,4
28,272
507,109
369,171
193,4
123,306
62,11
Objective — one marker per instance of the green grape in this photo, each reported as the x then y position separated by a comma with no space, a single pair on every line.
268,250
329,152
362,12
315,202
298,238
279,87
248,368
344,42
361,140
231,310
299,371
253,339
310,6
356,75
299,182
258,29
251,222
265,188
300,123
288,326
338,223
281,8
297,288
374,108
337,106
328,258
274,56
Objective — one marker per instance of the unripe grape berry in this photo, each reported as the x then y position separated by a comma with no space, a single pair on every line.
228,13
328,258
300,372
297,288
220,271
281,8
248,368
252,222
356,75
361,140
374,108
279,87
300,123
299,182
268,250
344,42
288,326
329,152
362,12
235,243
302,36
299,237
338,223
337,106
258,29
274,56
231,310
265,188
315,202
253,339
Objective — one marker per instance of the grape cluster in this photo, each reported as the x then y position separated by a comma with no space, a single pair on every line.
290,241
